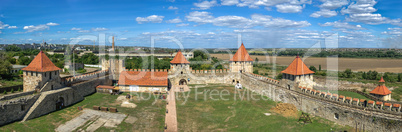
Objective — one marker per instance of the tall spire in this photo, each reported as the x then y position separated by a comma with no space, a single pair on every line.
113,43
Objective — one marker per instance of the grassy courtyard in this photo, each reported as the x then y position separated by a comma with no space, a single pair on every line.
201,111
150,115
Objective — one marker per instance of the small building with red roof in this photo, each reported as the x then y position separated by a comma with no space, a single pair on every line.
40,71
143,81
241,61
381,91
297,74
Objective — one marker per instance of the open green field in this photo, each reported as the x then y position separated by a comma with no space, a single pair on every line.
150,115
229,113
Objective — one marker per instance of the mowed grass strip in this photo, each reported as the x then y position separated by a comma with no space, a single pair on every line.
150,114
229,113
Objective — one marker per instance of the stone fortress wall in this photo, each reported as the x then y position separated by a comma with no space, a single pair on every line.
344,111
28,105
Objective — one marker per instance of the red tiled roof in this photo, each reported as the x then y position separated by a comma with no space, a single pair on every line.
297,67
341,96
329,94
41,63
241,55
370,102
349,98
378,103
335,95
362,100
381,80
105,87
396,105
387,104
356,99
381,90
143,78
179,59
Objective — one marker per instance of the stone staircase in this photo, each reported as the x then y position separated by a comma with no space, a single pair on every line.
34,106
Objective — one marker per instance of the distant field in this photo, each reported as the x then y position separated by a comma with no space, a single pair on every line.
356,64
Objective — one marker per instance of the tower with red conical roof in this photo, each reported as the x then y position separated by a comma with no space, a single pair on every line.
381,91
297,74
241,61
179,64
40,71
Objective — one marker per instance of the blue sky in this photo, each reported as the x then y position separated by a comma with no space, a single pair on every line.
205,23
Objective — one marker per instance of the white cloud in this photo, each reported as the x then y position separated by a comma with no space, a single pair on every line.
152,18
77,29
333,4
361,6
363,11
182,25
229,2
52,24
32,28
172,8
12,27
84,31
324,13
98,29
122,38
287,8
2,25
342,25
176,20
242,22
206,4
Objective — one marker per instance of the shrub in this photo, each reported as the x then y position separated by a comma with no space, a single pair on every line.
12,91
5,92
255,71
19,89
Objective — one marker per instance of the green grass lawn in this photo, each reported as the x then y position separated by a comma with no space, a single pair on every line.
8,83
150,114
200,112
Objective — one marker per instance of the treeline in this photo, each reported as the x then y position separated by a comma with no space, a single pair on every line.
201,61
140,63
346,54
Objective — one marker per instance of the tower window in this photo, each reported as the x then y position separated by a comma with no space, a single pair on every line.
31,73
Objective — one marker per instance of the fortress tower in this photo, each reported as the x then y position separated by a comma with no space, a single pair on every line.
381,91
241,61
39,72
179,64
297,74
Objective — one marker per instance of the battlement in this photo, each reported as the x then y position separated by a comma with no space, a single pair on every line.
270,80
68,81
149,70
210,71
349,102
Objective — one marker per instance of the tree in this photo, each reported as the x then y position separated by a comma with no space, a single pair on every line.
5,66
13,48
364,75
348,73
319,68
313,68
256,60
400,77
279,76
23,60
255,71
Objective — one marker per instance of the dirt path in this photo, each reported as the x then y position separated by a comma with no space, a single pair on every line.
171,116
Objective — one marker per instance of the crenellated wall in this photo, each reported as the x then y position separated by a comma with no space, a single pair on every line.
344,112
29,105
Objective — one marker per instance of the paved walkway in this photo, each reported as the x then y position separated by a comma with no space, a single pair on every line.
171,116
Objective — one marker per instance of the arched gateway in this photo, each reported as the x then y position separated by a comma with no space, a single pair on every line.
182,82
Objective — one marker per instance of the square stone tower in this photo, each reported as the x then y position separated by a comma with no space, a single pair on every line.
297,74
179,64
241,61
40,71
